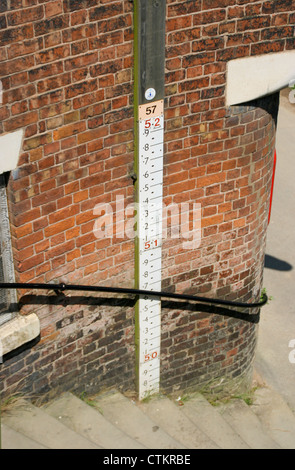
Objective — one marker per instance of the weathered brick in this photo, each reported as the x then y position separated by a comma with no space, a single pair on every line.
69,130
21,121
81,88
25,16
72,5
52,24
53,54
106,11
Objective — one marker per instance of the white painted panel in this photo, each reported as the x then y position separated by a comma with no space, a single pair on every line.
249,78
10,147
20,330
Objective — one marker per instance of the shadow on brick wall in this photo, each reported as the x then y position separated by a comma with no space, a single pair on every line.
121,302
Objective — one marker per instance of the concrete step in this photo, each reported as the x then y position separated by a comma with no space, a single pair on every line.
12,439
39,426
169,417
89,422
127,416
276,416
246,424
211,423
114,421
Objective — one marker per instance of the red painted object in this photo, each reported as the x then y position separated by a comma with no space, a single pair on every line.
272,184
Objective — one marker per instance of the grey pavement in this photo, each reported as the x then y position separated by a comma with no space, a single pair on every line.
277,324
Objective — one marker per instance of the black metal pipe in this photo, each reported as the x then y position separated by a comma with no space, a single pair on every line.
129,291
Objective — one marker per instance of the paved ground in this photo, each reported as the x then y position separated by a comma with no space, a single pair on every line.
277,325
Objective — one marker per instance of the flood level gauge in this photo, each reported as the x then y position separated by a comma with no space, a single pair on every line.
149,25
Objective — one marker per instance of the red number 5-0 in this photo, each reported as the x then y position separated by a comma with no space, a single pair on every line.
148,357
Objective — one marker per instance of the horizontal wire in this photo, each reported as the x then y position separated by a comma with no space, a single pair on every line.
138,292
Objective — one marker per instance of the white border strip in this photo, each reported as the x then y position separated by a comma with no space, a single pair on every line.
10,147
249,78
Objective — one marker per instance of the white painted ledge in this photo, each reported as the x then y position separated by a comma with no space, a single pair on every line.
249,78
18,331
10,147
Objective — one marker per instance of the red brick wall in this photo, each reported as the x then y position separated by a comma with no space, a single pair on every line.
66,70
201,345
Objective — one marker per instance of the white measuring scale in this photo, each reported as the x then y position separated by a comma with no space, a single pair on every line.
150,196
